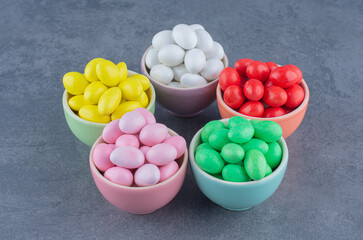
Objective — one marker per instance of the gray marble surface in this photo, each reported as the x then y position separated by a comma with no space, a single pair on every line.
46,189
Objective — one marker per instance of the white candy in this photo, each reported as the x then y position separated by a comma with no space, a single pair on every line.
190,80
162,39
194,60
162,73
196,26
151,58
216,52
212,69
179,71
175,84
185,36
171,55
205,41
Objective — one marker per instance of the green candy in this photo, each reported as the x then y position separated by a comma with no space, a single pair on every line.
209,128
257,144
209,161
236,120
255,164
253,122
219,138
232,153
235,173
241,133
203,146
219,176
268,170
273,155
268,131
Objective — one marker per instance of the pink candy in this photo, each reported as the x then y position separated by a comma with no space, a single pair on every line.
101,156
178,142
127,157
120,176
149,117
153,133
132,122
112,131
127,140
168,170
147,175
161,154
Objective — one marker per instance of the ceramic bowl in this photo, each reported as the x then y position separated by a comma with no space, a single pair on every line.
86,131
288,122
140,200
237,196
183,102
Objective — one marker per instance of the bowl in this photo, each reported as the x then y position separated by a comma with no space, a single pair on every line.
87,131
183,102
140,200
237,196
288,122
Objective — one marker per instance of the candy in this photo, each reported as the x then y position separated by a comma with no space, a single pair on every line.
216,52
151,58
219,138
241,66
90,70
235,173
209,128
194,60
76,102
268,170
229,77
93,91
233,96
109,101
179,143
162,39
209,161
268,131
108,73
175,84
275,96
168,170
241,133
122,67
127,140
147,175
257,70
143,80
284,76
211,69
236,120
179,71
204,40
75,83
143,100
297,71
171,55
190,80
161,154
162,73
91,113
295,96
257,144
271,65
255,164
101,157
196,27
112,132
273,155
273,112
127,157
252,108
253,90
131,89
144,149
120,176
149,117
185,36
124,108
232,153
204,146
153,134
132,122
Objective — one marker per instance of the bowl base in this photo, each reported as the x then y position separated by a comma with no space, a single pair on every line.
238,209
185,115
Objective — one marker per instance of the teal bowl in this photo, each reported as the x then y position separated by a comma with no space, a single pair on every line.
88,132
237,196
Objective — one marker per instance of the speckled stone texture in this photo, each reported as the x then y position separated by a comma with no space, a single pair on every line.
46,189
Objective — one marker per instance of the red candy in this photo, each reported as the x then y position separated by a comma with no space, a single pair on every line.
295,96
268,83
253,90
271,65
233,96
284,76
298,72
275,96
241,66
271,112
252,108
257,70
229,77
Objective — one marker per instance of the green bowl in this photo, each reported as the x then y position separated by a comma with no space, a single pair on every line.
88,132
237,196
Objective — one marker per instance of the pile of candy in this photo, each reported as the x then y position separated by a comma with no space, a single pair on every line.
256,81
138,150
185,57
104,92
241,151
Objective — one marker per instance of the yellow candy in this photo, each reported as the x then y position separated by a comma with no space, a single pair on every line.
143,79
94,91
76,102
123,70
90,113
90,70
75,83
108,73
109,101
131,89
124,108
143,100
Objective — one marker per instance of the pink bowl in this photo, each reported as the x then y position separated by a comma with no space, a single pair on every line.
140,200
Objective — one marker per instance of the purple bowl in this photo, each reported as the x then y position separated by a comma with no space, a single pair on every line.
183,102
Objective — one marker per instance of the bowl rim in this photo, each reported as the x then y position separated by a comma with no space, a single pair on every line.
106,181
192,148
304,103
75,116
210,83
